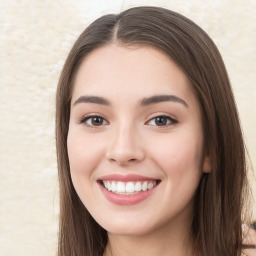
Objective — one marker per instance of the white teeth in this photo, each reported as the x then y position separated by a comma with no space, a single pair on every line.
130,187
109,185
113,186
137,187
150,185
145,186
120,187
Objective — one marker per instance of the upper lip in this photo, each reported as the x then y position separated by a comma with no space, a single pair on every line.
128,177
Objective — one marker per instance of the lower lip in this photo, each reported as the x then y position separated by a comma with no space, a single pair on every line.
126,199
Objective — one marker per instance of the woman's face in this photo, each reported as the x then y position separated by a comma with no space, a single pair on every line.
135,140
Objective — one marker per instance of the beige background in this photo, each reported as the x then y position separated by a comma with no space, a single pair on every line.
35,37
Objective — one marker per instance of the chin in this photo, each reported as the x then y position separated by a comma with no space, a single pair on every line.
126,227
124,231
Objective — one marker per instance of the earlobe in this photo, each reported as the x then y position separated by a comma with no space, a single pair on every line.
207,165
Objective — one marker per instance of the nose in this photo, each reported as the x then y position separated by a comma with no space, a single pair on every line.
125,147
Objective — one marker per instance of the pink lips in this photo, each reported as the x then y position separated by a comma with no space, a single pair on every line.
125,199
130,177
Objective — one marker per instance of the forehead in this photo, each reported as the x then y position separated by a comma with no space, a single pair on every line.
117,71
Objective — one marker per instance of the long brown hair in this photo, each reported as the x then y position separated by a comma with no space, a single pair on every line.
221,195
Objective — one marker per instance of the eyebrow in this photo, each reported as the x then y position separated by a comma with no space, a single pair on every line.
92,99
145,101
162,98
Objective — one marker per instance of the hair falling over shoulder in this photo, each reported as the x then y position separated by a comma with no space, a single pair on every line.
222,196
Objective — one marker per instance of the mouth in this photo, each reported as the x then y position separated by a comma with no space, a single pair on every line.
128,187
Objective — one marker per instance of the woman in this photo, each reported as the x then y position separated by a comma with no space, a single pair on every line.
150,152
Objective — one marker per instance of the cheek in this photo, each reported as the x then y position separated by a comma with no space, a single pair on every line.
84,153
180,158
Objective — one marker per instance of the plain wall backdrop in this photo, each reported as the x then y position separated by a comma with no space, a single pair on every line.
35,38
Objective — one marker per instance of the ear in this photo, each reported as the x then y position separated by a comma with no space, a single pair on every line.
207,165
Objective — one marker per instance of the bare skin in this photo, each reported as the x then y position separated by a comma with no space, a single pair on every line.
131,133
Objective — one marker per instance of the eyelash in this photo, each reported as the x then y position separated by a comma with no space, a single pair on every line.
171,120
88,117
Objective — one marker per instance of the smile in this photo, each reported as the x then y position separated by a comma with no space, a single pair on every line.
128,188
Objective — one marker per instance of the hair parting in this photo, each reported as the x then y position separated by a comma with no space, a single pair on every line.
221,198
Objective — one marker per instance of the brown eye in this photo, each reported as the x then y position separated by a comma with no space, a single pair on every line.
96,121
93,121
162,121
